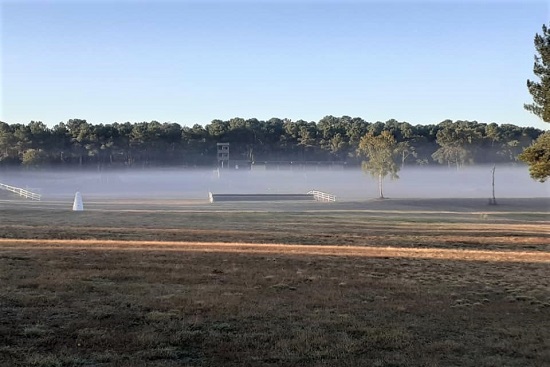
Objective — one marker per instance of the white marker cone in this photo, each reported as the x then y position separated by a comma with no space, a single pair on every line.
77,205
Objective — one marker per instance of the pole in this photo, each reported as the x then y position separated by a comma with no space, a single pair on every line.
494,200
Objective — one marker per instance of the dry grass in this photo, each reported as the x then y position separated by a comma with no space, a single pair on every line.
343,224
283,249
196,288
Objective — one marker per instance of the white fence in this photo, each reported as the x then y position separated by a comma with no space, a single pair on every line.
322,196
21,192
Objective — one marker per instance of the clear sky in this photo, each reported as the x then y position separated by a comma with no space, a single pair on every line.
191,62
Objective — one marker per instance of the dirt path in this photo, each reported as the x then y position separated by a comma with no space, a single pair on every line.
281,249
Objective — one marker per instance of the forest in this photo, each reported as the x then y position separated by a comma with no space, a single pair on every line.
78,143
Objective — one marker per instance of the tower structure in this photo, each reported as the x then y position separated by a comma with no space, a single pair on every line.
223,155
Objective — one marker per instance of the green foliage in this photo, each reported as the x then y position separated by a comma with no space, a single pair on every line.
332,139
457,143
538,154
541,90
32,157
381,152
538,158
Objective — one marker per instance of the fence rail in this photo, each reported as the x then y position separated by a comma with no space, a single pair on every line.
322,196
21,192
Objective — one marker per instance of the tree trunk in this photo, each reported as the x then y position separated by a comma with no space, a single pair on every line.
493,200
380,186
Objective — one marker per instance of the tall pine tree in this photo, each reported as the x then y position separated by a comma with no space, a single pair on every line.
538,155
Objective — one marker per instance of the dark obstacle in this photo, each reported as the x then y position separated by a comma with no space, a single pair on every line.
261,197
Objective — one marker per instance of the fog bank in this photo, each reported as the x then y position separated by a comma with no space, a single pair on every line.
349,184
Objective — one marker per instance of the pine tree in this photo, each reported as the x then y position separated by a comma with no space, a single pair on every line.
538,154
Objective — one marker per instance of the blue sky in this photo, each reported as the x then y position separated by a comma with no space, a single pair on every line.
192,62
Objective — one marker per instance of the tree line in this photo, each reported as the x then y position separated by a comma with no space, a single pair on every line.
78,143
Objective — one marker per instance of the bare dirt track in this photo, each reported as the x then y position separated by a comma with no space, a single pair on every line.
391,283
281,249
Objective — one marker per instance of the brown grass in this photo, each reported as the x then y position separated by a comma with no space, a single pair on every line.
325,289
283,249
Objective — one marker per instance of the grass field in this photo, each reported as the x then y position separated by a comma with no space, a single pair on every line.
187,283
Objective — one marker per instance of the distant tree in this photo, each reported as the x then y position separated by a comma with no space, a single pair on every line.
492,133
424,142
32,157
381,152
456,142
377,127
243,137
538,154
80,132
541,90
138,143
509,150
307,138
306,134
329,133
60,145
217,129
39,134
23,139
7,143
171,137
194,140
538,158
122,142
106,138
355,130
337,145
406,150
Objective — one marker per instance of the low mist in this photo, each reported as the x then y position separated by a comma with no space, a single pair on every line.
346,184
